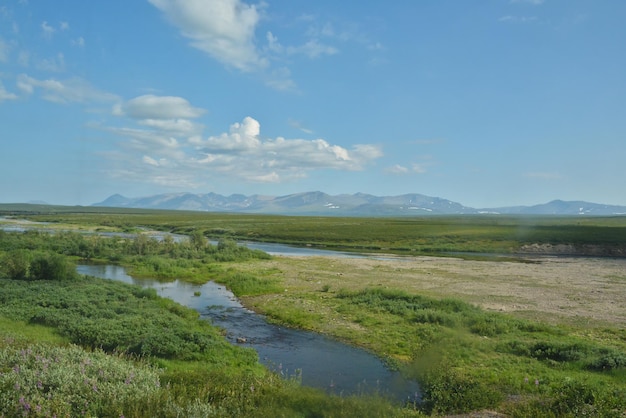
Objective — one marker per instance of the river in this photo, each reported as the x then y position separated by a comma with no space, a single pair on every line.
316,360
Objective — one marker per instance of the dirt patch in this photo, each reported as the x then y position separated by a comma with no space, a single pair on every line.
587,291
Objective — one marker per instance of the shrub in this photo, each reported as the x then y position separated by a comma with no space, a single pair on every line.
446,391
16,265
557,351
488,326
43,381
609,360
573,398
49,266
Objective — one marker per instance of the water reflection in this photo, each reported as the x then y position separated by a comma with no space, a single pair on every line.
318,361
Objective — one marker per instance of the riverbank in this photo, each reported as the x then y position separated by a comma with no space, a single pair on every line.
558,290
521,338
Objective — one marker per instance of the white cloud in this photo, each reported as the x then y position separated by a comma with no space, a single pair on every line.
79,42
298,125
150,106
53,64
5,95
397,169
280,79
177,127
402,170
241,153
74,90
149,160
244,146
48,30
64,26
313,49
222,28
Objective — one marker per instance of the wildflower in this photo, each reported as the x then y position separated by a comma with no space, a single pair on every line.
526,379
536,382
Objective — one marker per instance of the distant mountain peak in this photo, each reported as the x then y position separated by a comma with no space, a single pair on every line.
358,204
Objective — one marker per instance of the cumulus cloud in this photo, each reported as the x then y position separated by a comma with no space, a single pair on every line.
168,115
74,90
240,153
222,28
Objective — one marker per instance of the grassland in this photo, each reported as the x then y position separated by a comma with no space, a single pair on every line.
518,336
419,235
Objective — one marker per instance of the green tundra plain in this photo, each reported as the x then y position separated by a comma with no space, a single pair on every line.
492,315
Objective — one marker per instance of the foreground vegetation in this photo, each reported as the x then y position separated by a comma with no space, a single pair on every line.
465,358
72,345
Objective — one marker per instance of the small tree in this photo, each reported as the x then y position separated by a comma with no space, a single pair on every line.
198,240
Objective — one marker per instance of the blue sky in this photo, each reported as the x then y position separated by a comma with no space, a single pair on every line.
487,102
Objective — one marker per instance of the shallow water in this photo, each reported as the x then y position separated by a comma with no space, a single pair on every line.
315,359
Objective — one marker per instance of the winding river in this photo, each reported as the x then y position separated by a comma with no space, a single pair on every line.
316,360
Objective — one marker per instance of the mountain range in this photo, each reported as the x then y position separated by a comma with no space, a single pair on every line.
358,204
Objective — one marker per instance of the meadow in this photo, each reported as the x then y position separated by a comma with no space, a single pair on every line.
414,235
515,336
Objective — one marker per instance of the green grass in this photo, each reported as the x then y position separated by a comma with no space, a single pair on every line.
422,235
466,359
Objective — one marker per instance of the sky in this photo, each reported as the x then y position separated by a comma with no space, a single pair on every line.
488,103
